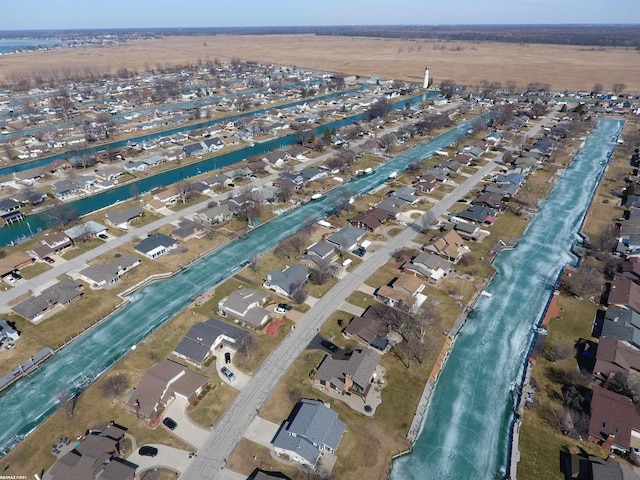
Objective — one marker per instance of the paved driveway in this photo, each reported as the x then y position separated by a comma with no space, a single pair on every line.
261,431
168,457
187,430
241,378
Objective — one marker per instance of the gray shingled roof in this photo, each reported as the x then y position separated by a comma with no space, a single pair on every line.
119,217
311,423
288,278
198,341
346,237
62,292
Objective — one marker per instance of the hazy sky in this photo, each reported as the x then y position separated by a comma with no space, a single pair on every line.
60,14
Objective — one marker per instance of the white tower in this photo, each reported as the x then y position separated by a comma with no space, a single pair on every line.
425,82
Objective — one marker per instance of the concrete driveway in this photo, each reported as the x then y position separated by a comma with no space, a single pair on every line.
187,430
168,457
241,378
261,431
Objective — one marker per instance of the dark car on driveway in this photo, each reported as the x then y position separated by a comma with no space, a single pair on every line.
148,451
227,358
48,259
329,346
170,423
285,306
360,251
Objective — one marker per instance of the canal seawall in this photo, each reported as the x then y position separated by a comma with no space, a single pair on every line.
467,425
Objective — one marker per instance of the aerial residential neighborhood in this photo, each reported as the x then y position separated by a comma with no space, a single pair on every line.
238,267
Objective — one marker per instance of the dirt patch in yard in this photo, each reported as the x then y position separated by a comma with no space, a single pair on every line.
272,328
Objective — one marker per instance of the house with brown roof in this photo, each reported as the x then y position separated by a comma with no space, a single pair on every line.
245,305
353,373
369,331
161,384
403,293
370,220
625,293
449,246
14,262
96,457
614,357
615,420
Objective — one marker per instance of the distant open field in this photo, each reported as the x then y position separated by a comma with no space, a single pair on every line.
562,67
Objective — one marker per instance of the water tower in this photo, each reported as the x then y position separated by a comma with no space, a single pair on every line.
425,82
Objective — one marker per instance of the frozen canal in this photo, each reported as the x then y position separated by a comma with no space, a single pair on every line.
31,400
465,433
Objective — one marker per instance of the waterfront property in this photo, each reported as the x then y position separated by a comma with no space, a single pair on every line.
108,274
162,383
62,293
156,245
245,305
311,429
348,374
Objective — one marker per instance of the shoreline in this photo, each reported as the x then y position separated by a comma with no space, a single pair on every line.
513,453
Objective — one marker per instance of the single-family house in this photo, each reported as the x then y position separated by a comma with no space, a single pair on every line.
621,324
449,246
138,166
215,215
489,200
352,373
392,206
614,357
370,220
55,242
64,189
122,218
62,293
321,251
275,158
467,231
297,152
286,281
8,332
312,174
406,194
168,196
194,149
96,456
347,238
156,245
162,383
9,205
109,273
14,262
188,229
479,214
312,428
204,338
245,305
624,293
403,293
615,421
368,330
428,266
213,144
86,229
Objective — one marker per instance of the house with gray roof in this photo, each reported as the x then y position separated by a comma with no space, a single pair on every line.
64,189
352,373
204,338
214,215
311,429
406,194
122,218
99,276
89,228
346,239
7,332
156,245
622,324
392,206
62,293
245,305
428,266
321,251
285,281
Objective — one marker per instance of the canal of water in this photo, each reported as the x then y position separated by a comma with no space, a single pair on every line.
42,221
466,430
31,400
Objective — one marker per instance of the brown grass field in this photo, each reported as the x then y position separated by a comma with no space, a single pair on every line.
563,67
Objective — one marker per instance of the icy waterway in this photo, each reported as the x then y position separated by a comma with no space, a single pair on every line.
32,399
465,433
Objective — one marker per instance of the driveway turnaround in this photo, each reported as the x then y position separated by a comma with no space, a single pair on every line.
187,430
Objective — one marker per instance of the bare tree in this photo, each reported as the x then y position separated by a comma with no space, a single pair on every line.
253,261
285,189
324,271
298,242
583,280
83,232
299,292
61,215
247,345
184,190
597,88
32,196
115,386
556,351
618,88
425,222
285,249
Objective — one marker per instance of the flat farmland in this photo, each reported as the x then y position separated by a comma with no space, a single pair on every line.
560,66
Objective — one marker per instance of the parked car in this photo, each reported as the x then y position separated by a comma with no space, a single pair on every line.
48,259
170,423
360,251
227,358
148,451
17,276
285,306
228,373
329,346
10,345
103,236
280,311
9,279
